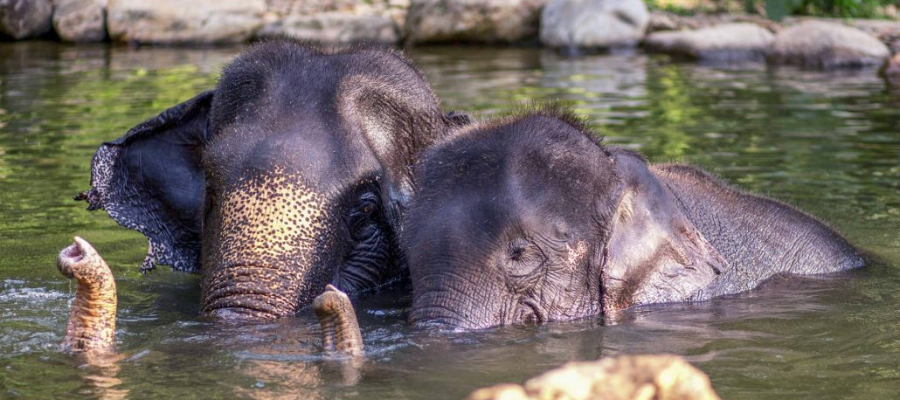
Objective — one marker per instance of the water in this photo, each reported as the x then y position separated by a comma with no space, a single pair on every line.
829,143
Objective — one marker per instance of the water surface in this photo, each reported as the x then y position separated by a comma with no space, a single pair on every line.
828,143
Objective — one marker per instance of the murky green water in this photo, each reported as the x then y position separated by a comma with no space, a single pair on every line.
829,143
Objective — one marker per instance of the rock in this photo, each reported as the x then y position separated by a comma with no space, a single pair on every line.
593,23
734,42
620,378
891,70
336,22
174,21
667,21
884,30
825,45
483,21
663,21
80,20
335,28
23,19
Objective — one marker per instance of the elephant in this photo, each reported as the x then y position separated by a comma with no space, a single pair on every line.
290,174
531,219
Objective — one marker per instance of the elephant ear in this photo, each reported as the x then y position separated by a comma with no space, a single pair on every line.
399,116
655,254
151,180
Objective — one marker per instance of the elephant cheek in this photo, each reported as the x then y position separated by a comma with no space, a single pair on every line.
267,260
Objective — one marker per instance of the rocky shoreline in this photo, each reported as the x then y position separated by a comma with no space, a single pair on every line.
570,25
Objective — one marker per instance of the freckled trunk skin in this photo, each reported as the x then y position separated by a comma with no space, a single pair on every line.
92,319
340,330
268,248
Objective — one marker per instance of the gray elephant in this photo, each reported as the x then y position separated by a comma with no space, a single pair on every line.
291,174
530,219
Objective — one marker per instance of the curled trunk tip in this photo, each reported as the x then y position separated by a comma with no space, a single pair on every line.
92,318
340,330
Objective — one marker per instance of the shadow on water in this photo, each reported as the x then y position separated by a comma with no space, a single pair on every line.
829,143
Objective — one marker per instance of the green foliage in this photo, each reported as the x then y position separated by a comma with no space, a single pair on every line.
840,8
778,9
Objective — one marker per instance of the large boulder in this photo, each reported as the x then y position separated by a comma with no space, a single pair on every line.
825,45
80,20
483,21
620,378
177,21
336,21
593,23
23,19
734,42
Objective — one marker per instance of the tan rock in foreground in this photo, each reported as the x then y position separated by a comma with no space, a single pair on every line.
644,377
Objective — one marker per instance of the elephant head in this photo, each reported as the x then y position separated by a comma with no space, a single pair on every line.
532,219
289,175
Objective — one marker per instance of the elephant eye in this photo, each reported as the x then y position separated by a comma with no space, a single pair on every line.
210,200
367,203
516,254
524,257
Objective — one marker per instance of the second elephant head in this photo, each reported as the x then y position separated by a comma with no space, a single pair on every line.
531,219
288,176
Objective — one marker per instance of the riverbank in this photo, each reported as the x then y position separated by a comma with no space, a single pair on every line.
573,26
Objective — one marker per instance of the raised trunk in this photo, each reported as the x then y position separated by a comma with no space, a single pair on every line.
340,331
759,237
92,319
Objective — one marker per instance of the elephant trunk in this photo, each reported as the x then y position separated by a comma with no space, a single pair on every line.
92,319
268,248
340,331
250,292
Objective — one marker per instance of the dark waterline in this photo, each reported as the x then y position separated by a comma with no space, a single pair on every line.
826,142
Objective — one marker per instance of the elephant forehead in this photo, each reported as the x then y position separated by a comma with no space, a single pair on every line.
272,215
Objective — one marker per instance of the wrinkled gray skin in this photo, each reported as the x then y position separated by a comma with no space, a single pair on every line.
530,220
291,174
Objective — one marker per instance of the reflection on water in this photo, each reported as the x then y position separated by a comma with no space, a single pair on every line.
829,143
